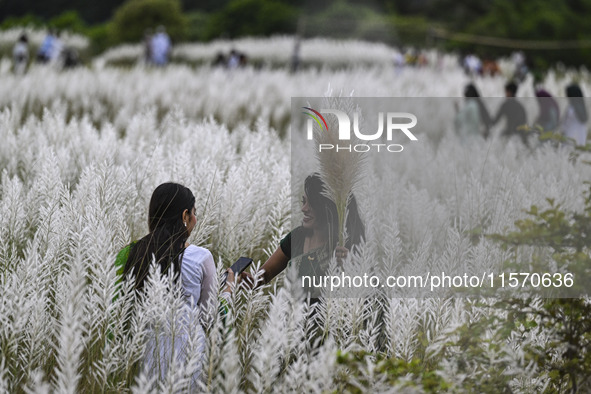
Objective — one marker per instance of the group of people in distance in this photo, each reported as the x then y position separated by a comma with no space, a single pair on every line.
474,119
234,59
473,65
171,220
51,51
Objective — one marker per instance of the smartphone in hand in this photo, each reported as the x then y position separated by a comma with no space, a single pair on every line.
238,267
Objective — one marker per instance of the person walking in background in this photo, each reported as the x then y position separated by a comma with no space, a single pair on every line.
51,48
20,54
160,47
233,59
520,63
490,68
513,113
422,60
472,65
399,61
574,123
242,59
473,118
56,50
70,58
219,60
295,56
45,52
549,113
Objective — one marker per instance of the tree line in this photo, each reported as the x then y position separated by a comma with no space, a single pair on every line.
396,22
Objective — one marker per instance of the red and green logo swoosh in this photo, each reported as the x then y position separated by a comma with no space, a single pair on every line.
315,115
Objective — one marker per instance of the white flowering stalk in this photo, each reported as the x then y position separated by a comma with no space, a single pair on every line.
340,170
82,151
274,51
4,383
70,329
286,316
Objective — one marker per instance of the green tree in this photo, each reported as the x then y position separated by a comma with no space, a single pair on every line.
343,19
206,6
91,11
197,23
25,20
69,20
536,20
457,14
253,18
135,16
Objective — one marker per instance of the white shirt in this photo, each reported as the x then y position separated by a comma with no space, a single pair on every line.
198,275
160,48
20,51
198,278
467,121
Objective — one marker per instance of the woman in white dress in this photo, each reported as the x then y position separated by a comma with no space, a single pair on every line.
574,124
171,220
473,118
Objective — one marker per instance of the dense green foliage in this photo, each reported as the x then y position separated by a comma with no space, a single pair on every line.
537,20
67,20
92,12
346,20
135,16
566,359
252,17
395,22
197,27
398,373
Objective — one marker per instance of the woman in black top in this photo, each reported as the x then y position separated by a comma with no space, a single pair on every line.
312,244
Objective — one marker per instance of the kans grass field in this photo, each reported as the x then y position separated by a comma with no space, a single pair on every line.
82,150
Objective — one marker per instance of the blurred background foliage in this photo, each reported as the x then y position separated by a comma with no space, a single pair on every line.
131,20
396,22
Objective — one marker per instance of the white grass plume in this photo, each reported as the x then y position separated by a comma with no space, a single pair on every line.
340,170
71,328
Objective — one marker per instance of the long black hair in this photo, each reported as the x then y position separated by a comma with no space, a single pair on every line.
325,212
166,240
575,98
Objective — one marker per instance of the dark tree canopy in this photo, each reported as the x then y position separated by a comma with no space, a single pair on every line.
399,22
91,11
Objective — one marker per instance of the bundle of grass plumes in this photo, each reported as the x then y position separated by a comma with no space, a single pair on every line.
341,170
